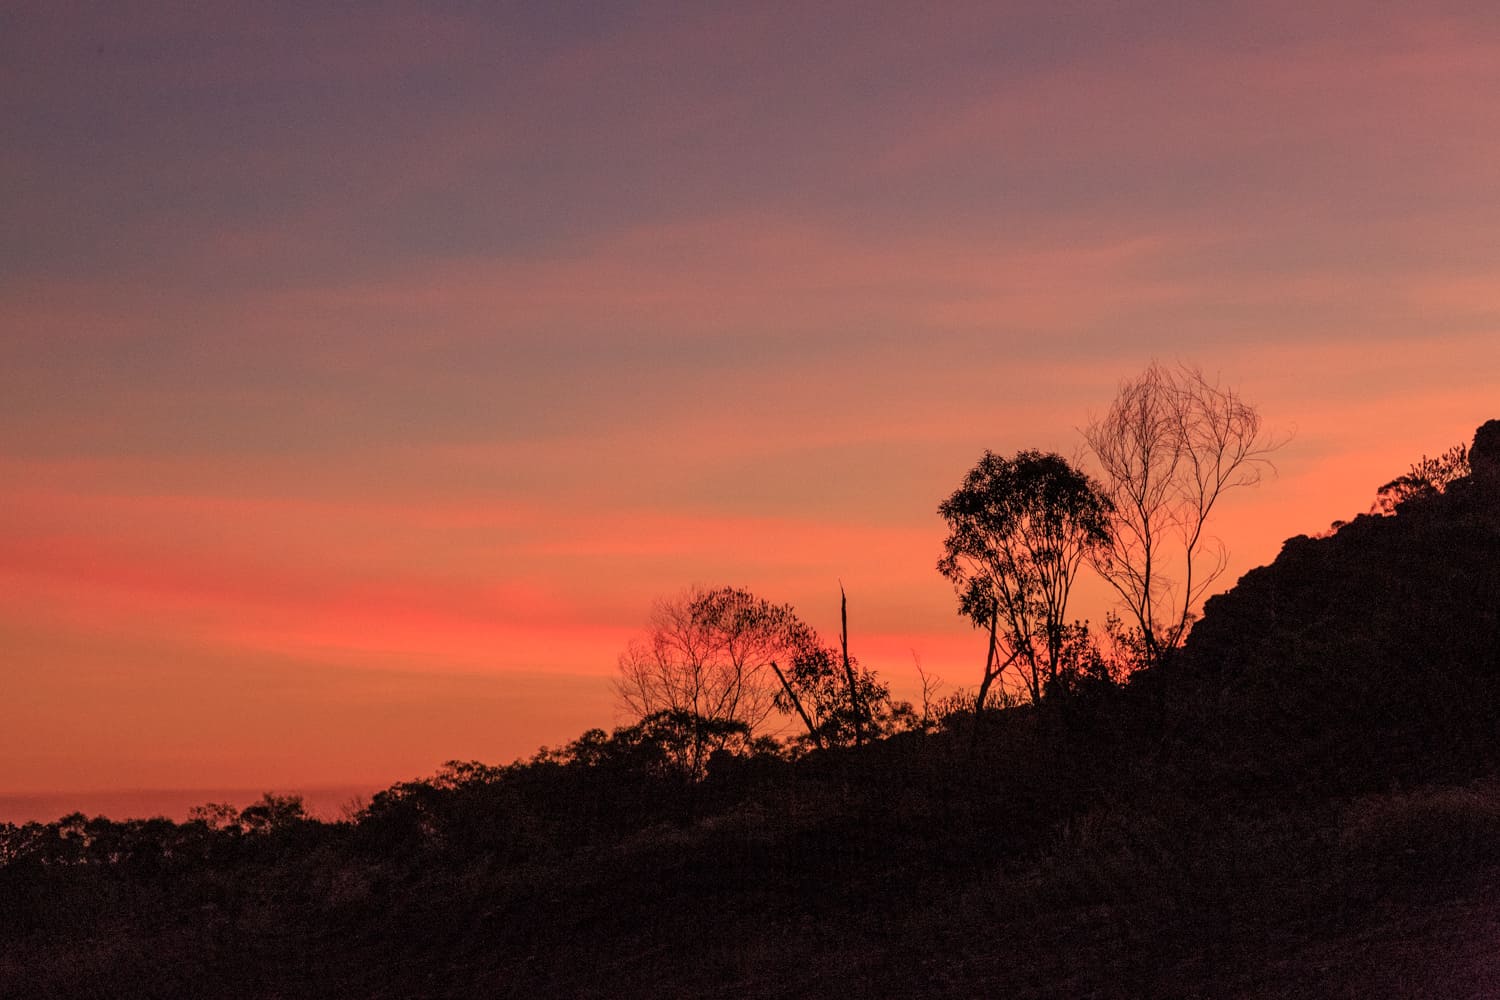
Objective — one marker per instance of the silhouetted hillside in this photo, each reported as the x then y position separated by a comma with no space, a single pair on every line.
1362,657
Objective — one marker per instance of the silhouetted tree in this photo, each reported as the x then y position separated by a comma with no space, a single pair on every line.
818,688
1019,528
1426,478
838,702
1126,647
216,816
1170,446
1083,665
707,664
272,813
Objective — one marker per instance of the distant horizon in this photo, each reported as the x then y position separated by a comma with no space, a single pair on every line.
325,802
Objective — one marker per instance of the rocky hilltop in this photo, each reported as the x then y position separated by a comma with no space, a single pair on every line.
1366,655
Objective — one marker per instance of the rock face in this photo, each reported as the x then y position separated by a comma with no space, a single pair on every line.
1484,455
1375,651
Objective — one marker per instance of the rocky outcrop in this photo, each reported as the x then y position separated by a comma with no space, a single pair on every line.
1373,651
1484,455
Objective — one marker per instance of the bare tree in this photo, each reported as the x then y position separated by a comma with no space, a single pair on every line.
1171,445
708,658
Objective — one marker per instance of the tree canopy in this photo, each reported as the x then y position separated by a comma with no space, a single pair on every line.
1019,529
705,663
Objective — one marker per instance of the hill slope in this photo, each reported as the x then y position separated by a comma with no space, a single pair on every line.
1362,657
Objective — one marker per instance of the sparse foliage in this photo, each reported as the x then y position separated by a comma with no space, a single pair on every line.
817,688
1019,528
1426,478
706,664
216,816
1125,647
838,702
1082,664
1172,443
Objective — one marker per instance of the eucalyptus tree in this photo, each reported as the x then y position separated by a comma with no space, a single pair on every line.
1019,530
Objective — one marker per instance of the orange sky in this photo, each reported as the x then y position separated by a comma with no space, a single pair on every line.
369,372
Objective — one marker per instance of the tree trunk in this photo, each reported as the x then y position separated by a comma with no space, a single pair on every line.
854,702
786,686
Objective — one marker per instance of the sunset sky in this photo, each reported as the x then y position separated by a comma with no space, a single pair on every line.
369,369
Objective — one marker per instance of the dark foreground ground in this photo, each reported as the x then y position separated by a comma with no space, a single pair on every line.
1395,894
